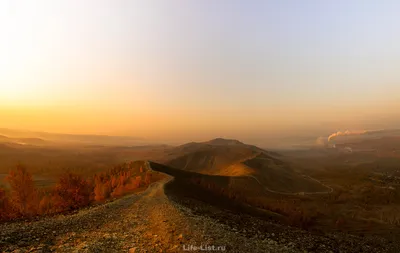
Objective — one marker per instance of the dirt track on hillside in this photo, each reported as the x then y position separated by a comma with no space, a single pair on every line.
152,221
145,222
329,191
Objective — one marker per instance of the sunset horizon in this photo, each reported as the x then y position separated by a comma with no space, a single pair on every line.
165,71
173,126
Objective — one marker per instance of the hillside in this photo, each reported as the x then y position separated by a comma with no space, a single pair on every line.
23,141
37,138
278,176
233,158
211,157
157,221
165,218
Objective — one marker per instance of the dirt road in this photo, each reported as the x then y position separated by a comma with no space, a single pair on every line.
145,222
329,191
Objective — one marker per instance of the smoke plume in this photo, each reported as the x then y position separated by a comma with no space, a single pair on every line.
346,133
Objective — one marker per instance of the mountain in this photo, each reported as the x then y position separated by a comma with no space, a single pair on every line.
22,141
211,157
221,141
31,137
277,175
4,138
232,158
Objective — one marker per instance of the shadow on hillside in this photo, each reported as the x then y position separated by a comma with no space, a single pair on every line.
209,189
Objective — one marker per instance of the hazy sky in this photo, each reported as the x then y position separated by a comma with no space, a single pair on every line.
199,69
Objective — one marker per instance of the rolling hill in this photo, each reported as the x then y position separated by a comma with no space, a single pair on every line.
35,138
23,141
232,158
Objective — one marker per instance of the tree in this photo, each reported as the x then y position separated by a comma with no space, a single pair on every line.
148,177
72,192
102,189
45,205
138,181
24,197
114,182
5,211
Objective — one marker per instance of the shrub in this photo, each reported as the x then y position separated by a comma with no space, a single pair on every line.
5,208
138,181
45,205
119,191
148,177
72,192
103,188
24,197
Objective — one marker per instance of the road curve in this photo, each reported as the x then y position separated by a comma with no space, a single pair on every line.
294,193
144,222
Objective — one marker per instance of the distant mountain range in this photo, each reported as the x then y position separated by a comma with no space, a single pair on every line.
43,138
23,141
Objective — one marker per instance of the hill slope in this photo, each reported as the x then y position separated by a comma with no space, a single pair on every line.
233,158
212,157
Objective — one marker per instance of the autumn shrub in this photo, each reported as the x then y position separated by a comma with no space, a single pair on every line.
148,177
71,192
114,182
129,185
46,205
102,190
5,207
24,196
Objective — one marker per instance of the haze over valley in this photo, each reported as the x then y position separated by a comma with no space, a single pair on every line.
176,126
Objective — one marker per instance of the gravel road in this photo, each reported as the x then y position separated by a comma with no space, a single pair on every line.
149,221
144,222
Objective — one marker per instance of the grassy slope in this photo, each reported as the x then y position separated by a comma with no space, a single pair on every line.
240,160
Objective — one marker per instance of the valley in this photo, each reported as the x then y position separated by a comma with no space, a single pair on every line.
304,198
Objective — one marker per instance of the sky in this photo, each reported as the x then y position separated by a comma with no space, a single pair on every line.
195,70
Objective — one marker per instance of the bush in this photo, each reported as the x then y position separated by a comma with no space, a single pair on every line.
148,177
45,205
102,190
5,208
72,192
24,197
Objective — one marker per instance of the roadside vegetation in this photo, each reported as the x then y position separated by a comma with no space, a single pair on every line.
23,200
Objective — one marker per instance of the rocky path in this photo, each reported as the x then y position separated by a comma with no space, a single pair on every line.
144,222
151,221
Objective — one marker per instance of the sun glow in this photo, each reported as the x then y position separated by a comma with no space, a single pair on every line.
11,91
15,94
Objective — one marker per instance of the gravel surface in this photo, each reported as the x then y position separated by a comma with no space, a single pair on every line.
154,222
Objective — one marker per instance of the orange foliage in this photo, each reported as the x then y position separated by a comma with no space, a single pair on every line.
119,191
5,208
147,179
72,192
24,197
114,182
45,205
102,190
